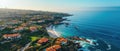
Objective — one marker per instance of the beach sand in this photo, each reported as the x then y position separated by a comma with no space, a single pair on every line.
52,32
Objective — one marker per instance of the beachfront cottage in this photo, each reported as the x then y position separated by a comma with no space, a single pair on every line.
11,36
33,28
53,48
42,40
61,41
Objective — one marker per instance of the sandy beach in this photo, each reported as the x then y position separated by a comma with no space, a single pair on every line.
52,32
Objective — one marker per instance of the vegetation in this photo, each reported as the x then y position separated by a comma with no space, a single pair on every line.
12,19
33,38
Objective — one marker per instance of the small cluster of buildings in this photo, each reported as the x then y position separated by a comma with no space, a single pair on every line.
12,36
17,35
23,26
20,28
57,45
53,48
38,21
60,41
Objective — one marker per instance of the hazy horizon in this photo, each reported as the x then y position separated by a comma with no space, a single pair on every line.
57,5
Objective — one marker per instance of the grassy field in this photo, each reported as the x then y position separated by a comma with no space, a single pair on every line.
33,38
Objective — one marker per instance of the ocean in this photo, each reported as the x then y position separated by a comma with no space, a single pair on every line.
102,25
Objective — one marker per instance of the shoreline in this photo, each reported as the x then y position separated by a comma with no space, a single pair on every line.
52,33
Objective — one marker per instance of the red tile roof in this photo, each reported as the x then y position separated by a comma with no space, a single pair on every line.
33,28
56,47
50,49
42,40
11,35
19,28
60,40
53,48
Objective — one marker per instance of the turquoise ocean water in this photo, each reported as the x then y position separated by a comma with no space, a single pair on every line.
102,25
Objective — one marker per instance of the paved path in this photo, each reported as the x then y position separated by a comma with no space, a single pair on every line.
26,46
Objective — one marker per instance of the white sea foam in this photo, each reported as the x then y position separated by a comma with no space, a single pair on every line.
52,33
85,45
109,46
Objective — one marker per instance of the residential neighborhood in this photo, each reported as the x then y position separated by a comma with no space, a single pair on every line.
34,32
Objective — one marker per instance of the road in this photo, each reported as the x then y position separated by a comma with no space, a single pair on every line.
26,46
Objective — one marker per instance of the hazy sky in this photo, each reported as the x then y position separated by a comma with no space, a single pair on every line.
57,5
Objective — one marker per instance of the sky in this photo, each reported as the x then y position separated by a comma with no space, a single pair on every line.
57,5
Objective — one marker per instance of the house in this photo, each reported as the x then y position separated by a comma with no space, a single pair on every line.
41,21
32,22
50,49
24,24
53,48
11,36
20,28
56,47
33,28
61,41
42,40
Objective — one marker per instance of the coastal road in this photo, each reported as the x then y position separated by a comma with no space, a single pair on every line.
26,46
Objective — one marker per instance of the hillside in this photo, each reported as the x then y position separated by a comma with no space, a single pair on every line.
4,13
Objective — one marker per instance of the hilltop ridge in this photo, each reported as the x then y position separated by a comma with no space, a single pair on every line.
20,12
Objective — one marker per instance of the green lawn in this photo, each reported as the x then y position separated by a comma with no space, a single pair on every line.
33,38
